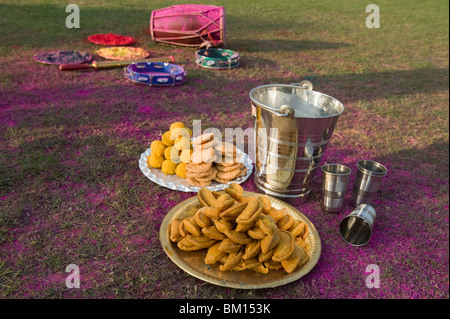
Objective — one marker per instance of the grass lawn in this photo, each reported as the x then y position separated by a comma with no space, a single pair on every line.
70,187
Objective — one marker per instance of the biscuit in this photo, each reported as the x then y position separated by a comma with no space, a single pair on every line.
228,175
198,168
227,168
209,144
194,182
225,148
221,180
199,174
202,156
203,138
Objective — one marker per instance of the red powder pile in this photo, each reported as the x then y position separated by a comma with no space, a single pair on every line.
110,39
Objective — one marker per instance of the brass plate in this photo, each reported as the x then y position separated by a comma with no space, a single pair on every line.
193,262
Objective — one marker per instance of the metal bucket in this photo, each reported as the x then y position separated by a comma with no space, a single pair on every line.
293,125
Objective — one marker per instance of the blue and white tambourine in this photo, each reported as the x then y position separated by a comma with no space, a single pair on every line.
155,73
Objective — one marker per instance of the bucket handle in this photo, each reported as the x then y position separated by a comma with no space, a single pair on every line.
287,110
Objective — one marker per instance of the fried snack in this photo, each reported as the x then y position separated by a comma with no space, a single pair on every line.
202,220
157,147
285,222
262,257
229,246
211,212
168,167
195,243
261,269
250,213
251,263
256,233
213,233
223,225
180,170
273,264
270,241
233,260
165,138
233,212
235,191
298,256
174,232
155,161
267,224
276,214
266,204
206,197
238,237
192,227
297,228
252,249
285,246
214,254
241,233
224,201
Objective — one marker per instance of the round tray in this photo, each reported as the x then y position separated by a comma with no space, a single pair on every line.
217,58
177,183
122,53
102,39
62,57
193,263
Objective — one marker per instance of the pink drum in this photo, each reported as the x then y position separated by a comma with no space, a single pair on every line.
192,25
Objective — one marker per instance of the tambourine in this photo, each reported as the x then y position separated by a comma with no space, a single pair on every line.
217,58
155,73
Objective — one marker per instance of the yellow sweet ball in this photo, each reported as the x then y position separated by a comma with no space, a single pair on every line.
185,156
180,131
168,167
167,152
165,138
180,170
158,147
174,155
155,161
175,125
182,143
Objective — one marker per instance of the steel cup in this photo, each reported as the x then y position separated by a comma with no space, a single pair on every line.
334,185
369,176
356,228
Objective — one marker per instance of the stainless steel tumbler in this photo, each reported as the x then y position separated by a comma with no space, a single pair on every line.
334,186
356,228
369,176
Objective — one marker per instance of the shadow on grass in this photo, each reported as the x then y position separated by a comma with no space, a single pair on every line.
379,85
273,45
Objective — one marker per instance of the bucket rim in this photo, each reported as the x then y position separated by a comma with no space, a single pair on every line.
298,87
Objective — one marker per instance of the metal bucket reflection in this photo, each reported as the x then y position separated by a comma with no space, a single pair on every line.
293,125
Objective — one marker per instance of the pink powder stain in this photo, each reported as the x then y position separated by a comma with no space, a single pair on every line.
146,109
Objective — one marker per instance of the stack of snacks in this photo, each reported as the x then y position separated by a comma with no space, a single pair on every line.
200,172
227,163
173,151
242,232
